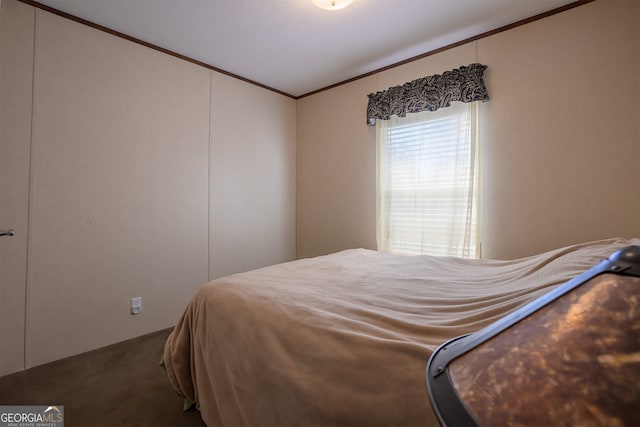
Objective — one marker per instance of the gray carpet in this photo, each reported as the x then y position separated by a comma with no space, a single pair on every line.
118,385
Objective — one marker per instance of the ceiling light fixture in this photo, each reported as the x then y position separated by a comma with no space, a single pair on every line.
332,4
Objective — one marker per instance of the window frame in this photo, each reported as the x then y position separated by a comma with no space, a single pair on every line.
461,240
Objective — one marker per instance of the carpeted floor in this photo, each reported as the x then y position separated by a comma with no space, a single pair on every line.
118,385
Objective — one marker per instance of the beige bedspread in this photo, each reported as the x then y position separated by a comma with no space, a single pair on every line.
343,339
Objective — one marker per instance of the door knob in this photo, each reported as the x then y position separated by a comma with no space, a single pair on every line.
8,232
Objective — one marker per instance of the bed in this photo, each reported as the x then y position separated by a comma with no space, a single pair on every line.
343,339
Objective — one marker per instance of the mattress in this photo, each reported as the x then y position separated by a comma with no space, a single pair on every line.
343,339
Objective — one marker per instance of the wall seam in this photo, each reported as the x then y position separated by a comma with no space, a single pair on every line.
209,186
30,202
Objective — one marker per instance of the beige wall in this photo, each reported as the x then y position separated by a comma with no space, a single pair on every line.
119,189
140,177
253,177
336,172
16,56
562,166
560,138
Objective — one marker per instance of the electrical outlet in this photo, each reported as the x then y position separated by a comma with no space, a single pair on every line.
136,305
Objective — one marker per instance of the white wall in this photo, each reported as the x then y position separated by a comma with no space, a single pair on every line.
141,178
560,137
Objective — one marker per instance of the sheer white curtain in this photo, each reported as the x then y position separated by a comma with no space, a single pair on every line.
428,182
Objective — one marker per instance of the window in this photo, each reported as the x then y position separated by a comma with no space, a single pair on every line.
428,191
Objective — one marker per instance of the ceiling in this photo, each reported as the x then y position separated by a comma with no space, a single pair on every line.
295,47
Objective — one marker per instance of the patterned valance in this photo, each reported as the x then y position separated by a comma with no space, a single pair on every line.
463,84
